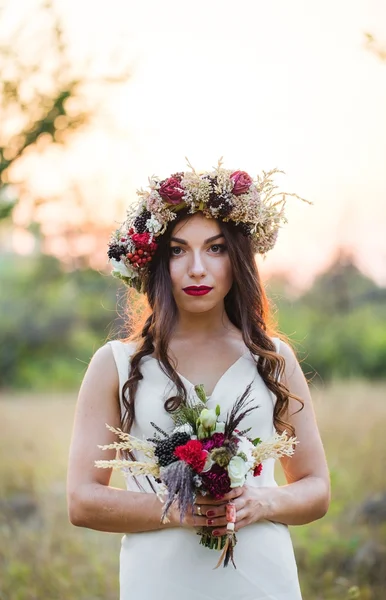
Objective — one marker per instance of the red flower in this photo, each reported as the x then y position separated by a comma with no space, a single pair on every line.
141,241
193,454
216,481
171,190
215,441
257,470
241,182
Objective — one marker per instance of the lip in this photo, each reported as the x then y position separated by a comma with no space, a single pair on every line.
197,290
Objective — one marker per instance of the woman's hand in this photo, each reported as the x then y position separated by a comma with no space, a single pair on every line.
206,511
250,507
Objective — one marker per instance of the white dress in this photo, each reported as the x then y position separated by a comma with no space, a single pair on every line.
170,564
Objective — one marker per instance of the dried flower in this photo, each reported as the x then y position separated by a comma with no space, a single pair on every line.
280,445
221,193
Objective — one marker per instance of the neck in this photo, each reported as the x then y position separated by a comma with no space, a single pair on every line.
201,326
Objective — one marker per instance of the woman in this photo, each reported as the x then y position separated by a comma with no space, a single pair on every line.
189,246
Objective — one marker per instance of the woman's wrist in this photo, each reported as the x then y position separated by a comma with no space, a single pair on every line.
265,502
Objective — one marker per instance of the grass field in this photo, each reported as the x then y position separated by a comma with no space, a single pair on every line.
43,557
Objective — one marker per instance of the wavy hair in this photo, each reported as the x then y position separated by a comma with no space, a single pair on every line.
247,308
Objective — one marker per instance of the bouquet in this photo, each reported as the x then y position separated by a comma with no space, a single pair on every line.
202,455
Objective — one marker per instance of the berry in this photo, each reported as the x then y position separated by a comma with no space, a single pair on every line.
165,448
140,222
222,203
245,229
115,251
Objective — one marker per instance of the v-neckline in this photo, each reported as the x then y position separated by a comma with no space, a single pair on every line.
230,368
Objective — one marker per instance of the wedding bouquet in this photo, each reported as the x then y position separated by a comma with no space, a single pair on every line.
202,455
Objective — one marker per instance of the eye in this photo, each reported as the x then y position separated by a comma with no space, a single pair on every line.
172,250
220,248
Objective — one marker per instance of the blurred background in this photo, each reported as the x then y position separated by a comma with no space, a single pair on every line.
96,97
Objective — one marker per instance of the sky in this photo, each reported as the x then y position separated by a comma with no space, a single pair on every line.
262,84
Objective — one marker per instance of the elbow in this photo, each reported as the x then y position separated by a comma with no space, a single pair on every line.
324,500
75,509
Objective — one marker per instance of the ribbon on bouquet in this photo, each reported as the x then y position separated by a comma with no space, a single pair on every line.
227,553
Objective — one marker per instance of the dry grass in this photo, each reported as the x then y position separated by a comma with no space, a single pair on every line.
43,557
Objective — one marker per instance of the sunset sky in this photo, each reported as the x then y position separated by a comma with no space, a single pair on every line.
263,84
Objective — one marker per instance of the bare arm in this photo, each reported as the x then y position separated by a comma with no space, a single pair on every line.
92,502
306,496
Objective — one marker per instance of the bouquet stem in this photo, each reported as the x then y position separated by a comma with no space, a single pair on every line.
210,541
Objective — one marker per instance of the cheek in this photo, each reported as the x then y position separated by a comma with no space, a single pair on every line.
225,273
176,271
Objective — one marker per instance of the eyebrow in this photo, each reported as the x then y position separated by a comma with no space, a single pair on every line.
211,239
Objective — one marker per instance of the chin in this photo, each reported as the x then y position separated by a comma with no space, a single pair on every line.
190,304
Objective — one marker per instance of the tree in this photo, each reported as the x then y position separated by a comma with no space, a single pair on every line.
43,94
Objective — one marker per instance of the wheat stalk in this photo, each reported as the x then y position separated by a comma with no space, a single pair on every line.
135,467
129,442
280,445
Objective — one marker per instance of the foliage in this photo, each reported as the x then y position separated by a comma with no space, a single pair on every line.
51,322
42,90
338,327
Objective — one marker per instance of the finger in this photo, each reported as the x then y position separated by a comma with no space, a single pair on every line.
234,493
207,500
196,520
216,522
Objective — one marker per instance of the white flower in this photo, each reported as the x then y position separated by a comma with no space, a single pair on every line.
153,226
237,470
208,418
208,464
186,428
120,267
220,427
201,432
246,447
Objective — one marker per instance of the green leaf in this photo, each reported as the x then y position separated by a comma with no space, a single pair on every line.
199,389
256,441
218,410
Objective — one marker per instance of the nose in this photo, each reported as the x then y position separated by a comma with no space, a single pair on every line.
197,267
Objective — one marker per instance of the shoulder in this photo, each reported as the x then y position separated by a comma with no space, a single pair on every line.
108,356
283,349
119,347
102,371
292,368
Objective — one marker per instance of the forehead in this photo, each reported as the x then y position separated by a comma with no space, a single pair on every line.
196,227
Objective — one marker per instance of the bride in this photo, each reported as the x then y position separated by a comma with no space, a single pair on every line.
189,246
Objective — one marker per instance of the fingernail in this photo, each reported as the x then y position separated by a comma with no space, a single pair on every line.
210,513
210,521
216,532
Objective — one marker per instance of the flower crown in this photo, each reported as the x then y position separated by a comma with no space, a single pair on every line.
221,194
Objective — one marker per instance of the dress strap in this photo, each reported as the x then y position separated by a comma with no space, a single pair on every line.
276,341
122,353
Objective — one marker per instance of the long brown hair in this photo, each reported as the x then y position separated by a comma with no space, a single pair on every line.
247,308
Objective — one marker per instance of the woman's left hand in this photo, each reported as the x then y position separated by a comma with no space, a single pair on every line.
251,506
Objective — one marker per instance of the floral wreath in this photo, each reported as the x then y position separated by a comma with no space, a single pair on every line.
221,194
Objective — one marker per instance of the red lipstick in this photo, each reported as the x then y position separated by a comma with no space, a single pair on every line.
197,290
